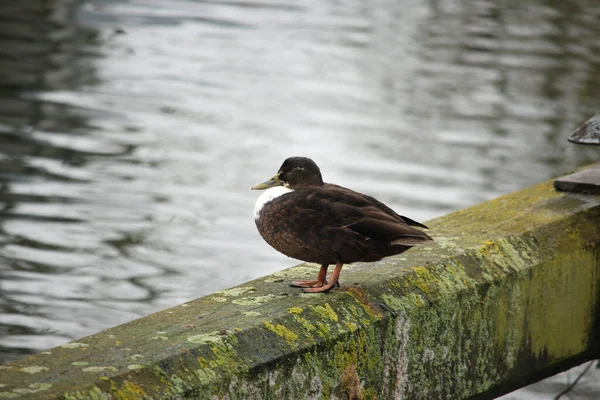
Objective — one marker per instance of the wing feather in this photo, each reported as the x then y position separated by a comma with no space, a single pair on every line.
336,206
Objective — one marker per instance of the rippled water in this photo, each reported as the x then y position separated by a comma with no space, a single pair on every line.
131,131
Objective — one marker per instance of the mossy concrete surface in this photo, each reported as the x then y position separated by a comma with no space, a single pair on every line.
507,293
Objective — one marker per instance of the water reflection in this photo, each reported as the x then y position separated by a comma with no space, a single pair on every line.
47,233
131,131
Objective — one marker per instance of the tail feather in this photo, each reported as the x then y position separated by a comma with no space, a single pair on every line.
412,222
412,240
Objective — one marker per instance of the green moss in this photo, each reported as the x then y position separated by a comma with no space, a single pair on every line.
94,393
422,279
567,332
206,376
226,358
363,299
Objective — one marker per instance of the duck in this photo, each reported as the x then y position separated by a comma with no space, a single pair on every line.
305,218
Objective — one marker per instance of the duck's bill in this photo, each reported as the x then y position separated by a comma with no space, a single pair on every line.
274,181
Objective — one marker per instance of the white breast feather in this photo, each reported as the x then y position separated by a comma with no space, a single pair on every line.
267,196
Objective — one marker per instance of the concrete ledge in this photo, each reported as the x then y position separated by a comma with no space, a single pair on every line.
508,293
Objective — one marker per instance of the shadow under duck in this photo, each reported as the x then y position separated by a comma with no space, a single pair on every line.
304,218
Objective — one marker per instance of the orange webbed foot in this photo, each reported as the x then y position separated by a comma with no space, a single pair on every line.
308,284
335,276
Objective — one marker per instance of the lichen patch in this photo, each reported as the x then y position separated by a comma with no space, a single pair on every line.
34,369
218,299
206,376
283,332
251,314
79,363
237,291
100,368
256,301
325,312
32,389
73,345
206,338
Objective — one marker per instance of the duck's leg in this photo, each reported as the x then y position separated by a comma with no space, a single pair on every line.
321,279
334,281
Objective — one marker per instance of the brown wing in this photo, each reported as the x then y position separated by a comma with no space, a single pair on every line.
373,201
346,209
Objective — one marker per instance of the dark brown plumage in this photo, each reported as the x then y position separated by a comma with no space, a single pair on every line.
328,224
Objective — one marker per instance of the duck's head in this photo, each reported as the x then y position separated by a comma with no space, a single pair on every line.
294,173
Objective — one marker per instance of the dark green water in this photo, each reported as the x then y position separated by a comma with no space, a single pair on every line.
131,132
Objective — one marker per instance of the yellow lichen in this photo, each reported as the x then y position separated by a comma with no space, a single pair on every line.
325,312
129,390
281,331
308,326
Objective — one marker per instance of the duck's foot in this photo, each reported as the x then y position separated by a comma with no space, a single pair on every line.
324,288
307,284
321,280
335,276
311,284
